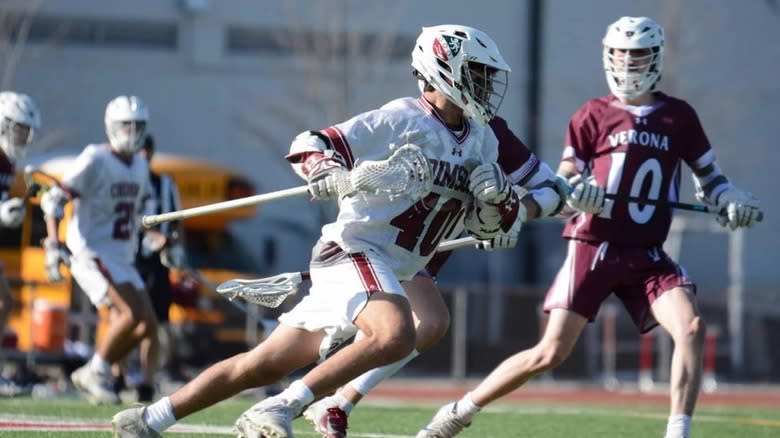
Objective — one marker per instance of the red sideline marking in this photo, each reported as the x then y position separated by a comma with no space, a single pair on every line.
52,426
74,426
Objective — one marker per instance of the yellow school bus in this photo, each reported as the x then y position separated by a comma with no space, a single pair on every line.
45,314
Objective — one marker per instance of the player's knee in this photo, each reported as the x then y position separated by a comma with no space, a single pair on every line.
696,331
144,328
431,330
396,345
549,357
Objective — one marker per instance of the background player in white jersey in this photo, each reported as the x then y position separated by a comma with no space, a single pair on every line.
374,244
19,118
108,186
634,137
431,316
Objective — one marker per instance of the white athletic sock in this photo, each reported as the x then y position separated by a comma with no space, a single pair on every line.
465,407
159,415
679,426
99,365
299,392
367,381
342,402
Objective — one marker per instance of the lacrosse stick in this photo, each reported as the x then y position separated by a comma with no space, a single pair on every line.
268,292
34,181
672,204
33,187
31,192
462,243
699,208
405,173
272,291
237,304
36,177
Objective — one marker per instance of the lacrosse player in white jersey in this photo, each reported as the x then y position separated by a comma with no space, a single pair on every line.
542,195
19,118
108,186
376,241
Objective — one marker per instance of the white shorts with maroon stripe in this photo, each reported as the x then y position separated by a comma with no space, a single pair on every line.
341,286
94,275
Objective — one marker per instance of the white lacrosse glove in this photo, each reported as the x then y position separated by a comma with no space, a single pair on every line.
587,196
488,183
12,212
503,240
173,257
321,173
52,259
483,220
52,201
742,208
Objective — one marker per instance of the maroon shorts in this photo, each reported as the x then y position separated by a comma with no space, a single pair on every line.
636,275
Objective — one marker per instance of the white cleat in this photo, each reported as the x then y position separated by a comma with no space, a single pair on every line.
445,424
130,424
328,418
271,418
98,388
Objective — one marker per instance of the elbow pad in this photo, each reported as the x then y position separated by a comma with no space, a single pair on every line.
548,191
548,199
310,151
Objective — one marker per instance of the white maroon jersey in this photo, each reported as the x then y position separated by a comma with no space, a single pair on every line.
107,198
407,233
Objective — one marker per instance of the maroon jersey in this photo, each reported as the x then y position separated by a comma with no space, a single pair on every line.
634,151
6,175
514,156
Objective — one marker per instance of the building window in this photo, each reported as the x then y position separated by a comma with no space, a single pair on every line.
143,34
253,41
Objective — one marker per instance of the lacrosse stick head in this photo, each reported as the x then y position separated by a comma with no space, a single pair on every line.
267,292
405,174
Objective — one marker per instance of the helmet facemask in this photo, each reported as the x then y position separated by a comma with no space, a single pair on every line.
483,89
14,137
464,64
126,137
632,72
19,118
126,118
633,56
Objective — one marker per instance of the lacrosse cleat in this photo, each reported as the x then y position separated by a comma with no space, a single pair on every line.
445,424
271,418
130,424
328,418
98,388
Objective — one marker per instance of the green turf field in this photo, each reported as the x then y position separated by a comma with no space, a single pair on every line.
399,419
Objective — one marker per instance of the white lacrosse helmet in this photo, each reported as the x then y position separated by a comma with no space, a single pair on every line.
633,76
464,64
126,118
19,118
